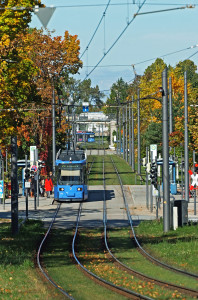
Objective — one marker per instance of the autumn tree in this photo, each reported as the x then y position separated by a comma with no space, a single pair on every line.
16,69
151,103
54,58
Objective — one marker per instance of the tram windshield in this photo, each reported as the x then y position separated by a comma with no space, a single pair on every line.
70,175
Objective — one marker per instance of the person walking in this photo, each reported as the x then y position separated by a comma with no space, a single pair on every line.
48,186
32,186
51,177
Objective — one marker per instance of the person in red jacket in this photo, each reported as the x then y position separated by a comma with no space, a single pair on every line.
48,186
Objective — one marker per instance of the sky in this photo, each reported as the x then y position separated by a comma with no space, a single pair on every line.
145,37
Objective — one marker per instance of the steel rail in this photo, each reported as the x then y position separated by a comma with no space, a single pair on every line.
105,228
129,293
136,240
39,253
161,282
90,168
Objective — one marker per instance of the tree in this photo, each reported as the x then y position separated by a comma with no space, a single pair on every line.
16,69
79,92
118,94
54,58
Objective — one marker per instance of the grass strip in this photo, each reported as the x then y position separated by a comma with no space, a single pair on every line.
97,261
18,277
177,247
125,250
64,271
127,176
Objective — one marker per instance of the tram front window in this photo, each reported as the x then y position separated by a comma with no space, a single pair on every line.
67,177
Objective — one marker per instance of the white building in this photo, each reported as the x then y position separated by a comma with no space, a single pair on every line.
93,121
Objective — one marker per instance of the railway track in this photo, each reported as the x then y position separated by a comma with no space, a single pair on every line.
118,289
184,290
39,262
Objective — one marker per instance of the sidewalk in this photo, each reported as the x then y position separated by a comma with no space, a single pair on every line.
138,193
138,209
45,204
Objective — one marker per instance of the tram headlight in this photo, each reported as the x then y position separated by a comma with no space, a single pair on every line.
79,189
61,189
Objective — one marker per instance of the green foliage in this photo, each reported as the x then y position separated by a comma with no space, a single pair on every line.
119,93
153,135
81,91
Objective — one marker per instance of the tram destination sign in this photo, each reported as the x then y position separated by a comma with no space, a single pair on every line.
69,166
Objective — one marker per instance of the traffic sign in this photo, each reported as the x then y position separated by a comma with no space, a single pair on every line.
44,14
34,168
85,106
194,178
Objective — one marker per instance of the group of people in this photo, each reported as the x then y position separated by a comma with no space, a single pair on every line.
45,186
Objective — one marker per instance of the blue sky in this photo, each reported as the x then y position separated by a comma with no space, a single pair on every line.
148,36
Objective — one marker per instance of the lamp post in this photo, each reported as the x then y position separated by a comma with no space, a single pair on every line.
53,130
186,164
139,143
165,145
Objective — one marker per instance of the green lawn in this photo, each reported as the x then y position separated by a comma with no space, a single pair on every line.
20,280
127,176
18,277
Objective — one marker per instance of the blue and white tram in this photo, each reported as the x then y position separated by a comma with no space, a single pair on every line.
85,136
90,137
71,176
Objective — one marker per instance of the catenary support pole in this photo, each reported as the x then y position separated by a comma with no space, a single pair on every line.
53,131
126,122
132,140
147,189
123,136
195,196
117,116
139,142
129,134
170,106
14,186
165,146
120,142
186,159
26,190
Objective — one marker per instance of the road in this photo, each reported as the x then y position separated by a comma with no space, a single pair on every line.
92,212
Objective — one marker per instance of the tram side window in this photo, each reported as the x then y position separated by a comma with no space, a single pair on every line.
85,175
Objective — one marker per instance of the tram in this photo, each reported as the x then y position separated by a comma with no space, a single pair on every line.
85,136
70,183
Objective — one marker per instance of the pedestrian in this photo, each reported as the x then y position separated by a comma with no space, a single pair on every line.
42,186
51,177
48,186
32,185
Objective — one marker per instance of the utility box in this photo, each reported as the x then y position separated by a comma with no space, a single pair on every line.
182,213
173,188
182,206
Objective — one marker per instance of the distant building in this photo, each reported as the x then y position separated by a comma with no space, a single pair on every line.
93,121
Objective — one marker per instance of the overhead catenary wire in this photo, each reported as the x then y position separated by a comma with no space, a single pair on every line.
149,59
192,54
115,42
97,27
97,5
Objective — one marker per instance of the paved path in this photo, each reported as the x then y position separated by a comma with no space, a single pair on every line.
92,209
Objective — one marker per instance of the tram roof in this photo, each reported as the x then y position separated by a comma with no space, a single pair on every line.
160,162
71,155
